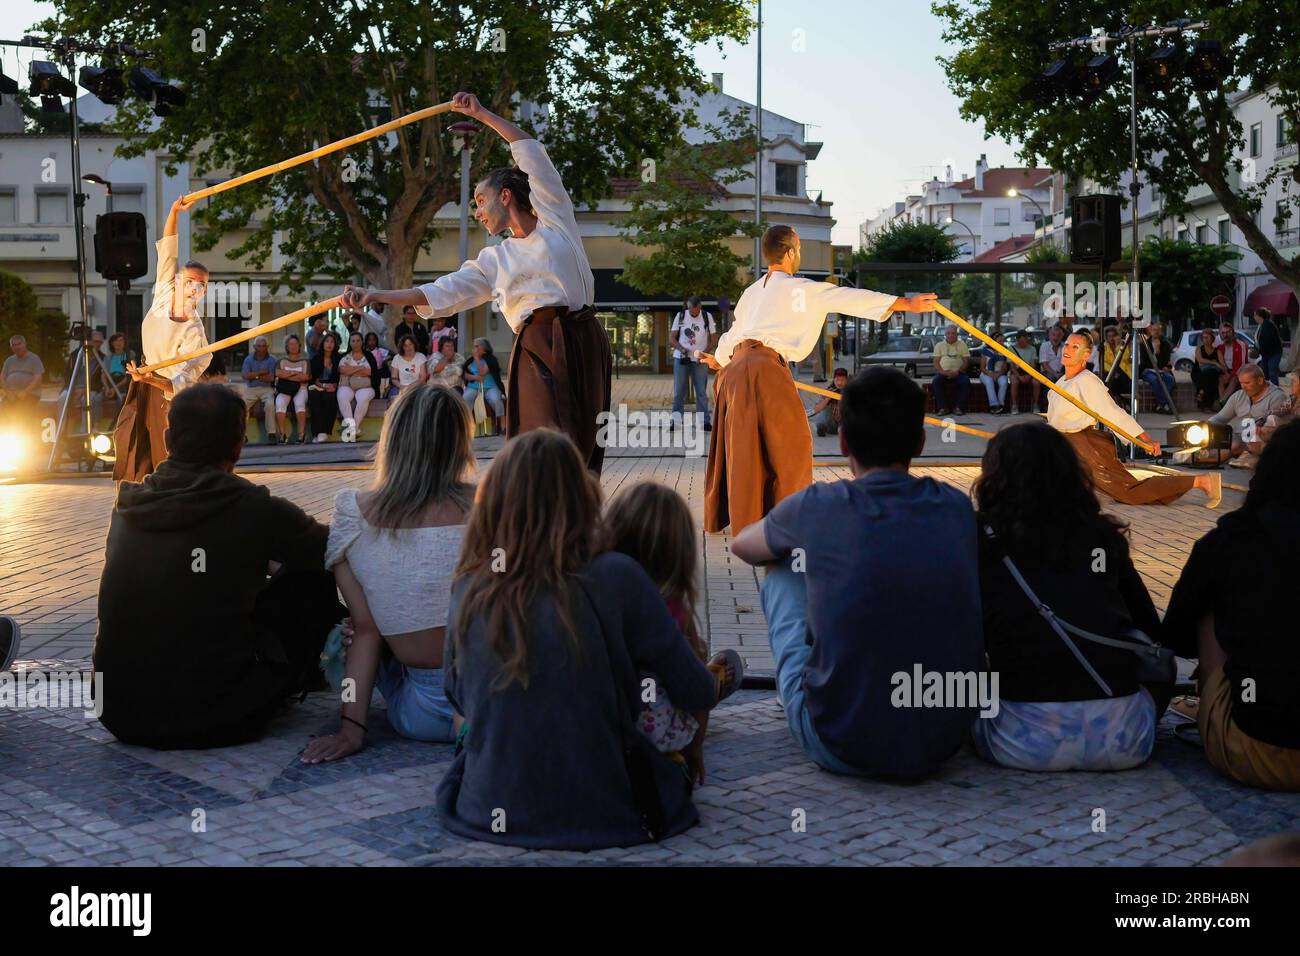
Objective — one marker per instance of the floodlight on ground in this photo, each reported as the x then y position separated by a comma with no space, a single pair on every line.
46,80
101,445
13,452
104,82
1198,434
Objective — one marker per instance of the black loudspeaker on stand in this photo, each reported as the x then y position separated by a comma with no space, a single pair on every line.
121,246
1095,228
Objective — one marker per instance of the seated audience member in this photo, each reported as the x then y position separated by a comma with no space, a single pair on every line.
1208,370
651,524
440,330
1020,379
115,361
319,326
1115,354
446,366
993,376
215,373
21,378
412,326
393,549
1283,415
482,374
1049,353
826,413
408,367
1233,354
950,358
258,373
292,376
548,637
358,385
322,394
1053,714
380,353
1247,409
1160,377
841,641
197,647
1243,635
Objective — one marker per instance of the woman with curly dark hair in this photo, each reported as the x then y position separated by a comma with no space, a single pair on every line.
1036,507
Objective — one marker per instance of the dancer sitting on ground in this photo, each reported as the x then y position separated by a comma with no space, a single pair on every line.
393,549
850,602
197,647
1053,715
548,638
1242,632
652,524
1096,449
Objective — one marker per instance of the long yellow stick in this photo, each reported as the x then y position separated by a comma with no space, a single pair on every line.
928,420
999,347
318,152
252,333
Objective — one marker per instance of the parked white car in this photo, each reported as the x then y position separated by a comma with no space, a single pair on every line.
1185,349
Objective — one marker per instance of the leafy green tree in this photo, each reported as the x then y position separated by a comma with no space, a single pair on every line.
266,81
46,330
1184,277
676,212
1186,137
907,242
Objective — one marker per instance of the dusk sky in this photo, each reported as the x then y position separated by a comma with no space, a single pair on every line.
867,84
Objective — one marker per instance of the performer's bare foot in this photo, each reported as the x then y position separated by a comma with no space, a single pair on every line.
1212,485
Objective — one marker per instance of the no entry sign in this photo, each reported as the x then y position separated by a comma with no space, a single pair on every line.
1221,305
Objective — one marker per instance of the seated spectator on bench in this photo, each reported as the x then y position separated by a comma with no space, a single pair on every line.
851,601
548,636
393,550
1112,354
1242,630
1283,415
1053,715
258,373
380,353
1160,377
1209,367
358,385
950,358
482,375
21,378
1247,409
408,367
1233,354
993,376
1049,354
292,376
1020,379
197,646
322,393
115,362
826,413
446,366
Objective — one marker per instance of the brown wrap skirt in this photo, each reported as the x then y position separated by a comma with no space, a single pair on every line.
138,435
1096,449
559,377
761,447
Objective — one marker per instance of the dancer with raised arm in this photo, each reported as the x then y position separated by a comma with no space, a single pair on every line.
171,327
540,277
761,450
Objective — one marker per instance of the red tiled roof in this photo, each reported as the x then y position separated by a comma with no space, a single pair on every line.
1005,248
998,181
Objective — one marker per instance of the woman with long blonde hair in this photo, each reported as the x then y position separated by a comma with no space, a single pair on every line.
392,549
548,636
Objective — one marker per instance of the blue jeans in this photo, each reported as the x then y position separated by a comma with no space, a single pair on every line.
699,373
785,605
1163,396
939,385
492,397
417,705
1272,366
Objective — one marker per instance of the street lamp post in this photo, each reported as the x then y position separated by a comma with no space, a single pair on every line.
464,133
974,248
1013,193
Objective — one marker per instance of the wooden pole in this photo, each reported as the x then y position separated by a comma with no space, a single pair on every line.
999,347
937,422
252,333
318,152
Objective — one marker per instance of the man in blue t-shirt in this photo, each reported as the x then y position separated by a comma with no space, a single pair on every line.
873,609
258,373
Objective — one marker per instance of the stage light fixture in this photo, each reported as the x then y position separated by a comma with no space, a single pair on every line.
1098,73
51,104
1205,65
104,82
1197,437
1062,78
12,452
151,86
46,80
1163,66
101,445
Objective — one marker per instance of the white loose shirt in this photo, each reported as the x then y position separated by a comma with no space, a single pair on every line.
547,267
160,337
1092,391
788,313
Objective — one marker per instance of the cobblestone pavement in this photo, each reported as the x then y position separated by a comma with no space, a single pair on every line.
70,794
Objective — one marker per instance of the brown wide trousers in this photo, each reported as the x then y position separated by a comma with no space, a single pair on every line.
138,434
1096,449
559,377
761,447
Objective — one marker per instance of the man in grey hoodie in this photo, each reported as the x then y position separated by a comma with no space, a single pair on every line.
196,645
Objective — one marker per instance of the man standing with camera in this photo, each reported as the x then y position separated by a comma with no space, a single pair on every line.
693,331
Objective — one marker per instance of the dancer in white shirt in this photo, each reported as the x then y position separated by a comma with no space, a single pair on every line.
171,327
1096,449
560,365
761,448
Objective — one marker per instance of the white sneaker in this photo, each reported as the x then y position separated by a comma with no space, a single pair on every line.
320,438
349,430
